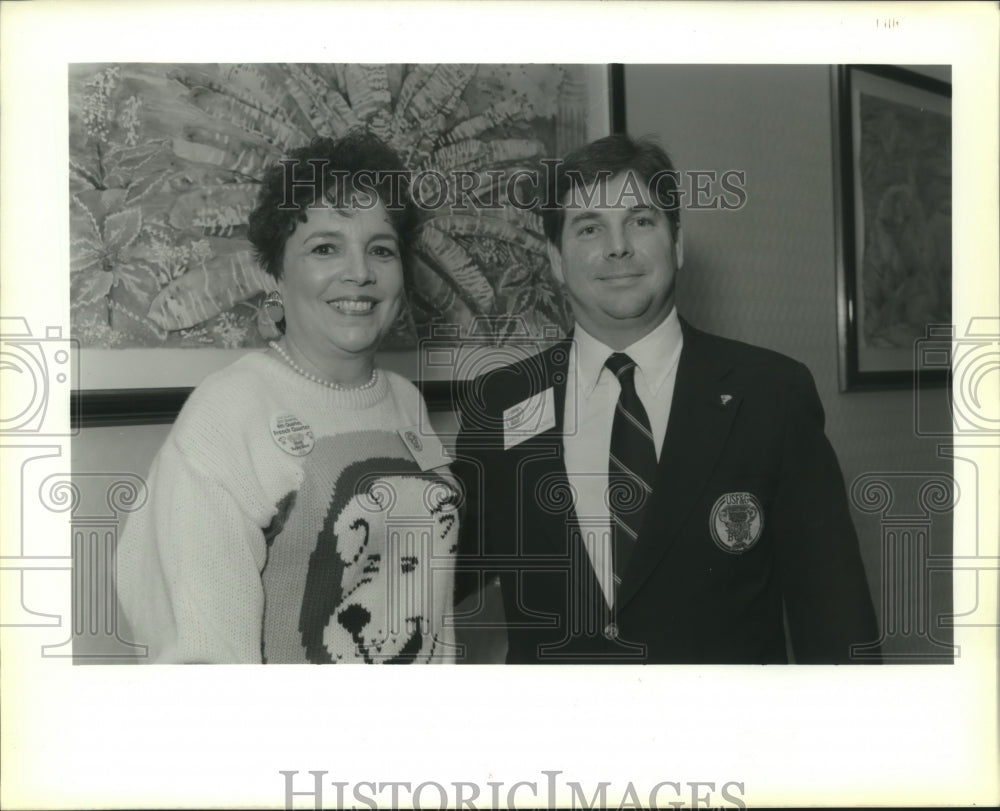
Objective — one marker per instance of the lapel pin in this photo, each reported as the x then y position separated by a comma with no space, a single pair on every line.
725,398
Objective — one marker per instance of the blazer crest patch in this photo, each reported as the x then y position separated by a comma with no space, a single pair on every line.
736,522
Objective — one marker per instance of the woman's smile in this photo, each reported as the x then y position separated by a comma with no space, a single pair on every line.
354,306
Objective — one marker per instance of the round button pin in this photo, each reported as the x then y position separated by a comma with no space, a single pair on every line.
292,435
611,631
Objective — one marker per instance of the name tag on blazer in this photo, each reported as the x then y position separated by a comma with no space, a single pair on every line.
529,418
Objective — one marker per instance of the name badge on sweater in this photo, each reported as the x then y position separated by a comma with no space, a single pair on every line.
426,449
292,435
528,418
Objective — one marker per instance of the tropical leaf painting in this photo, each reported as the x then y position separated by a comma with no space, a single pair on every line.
165,163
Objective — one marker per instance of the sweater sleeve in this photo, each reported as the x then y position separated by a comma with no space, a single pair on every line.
189,567
190,561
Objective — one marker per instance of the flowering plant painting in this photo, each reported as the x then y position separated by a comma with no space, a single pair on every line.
166,160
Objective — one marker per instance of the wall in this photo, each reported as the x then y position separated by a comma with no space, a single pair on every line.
764,274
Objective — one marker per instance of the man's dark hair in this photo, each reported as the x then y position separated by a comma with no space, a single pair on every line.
603,159
334,170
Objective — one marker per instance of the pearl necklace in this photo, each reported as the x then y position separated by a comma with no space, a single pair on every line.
316,378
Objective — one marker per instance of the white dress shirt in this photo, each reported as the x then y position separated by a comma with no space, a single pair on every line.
591,396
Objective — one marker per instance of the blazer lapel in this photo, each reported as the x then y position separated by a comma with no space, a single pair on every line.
701,416
550,367
556,360
545,474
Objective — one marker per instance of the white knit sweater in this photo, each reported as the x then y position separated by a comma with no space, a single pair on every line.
290,522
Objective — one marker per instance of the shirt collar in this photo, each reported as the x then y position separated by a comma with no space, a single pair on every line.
655,354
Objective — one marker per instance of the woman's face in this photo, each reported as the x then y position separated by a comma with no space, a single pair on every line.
341,282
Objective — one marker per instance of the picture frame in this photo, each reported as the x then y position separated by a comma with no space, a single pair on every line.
136,385
892,187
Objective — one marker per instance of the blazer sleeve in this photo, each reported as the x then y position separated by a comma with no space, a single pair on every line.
827,601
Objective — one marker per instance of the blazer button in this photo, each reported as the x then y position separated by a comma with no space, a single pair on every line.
611,631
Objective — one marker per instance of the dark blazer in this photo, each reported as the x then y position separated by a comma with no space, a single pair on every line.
746,427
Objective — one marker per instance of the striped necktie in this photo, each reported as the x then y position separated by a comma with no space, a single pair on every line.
631,465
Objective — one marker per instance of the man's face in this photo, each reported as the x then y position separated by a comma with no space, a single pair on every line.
618,259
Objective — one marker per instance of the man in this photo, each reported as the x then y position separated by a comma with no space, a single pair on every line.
647,492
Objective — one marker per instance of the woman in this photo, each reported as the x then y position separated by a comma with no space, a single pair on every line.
299,509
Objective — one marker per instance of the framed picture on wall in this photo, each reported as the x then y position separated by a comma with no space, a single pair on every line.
165,164
892,152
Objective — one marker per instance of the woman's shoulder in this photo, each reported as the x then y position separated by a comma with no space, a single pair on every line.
234,385
227,399
399,383
221,431
405,392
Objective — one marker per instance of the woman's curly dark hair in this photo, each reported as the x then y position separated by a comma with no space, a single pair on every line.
331,169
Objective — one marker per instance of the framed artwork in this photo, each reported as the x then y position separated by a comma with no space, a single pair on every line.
892,153
165,161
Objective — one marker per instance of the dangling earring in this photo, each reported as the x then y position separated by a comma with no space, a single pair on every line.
271,316
274,306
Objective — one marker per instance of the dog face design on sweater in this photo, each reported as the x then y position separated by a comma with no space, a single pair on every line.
380,575
390,535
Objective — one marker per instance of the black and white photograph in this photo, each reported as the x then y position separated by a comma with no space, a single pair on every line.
674,376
